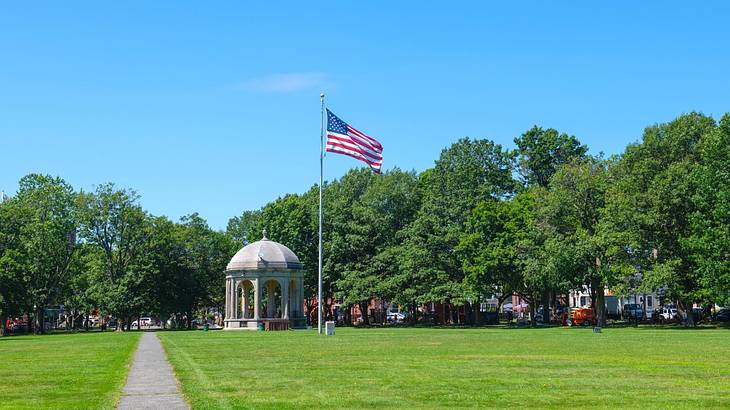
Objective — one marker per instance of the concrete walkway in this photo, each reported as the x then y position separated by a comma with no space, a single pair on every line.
151,383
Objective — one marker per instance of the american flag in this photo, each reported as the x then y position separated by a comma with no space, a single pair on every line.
344,139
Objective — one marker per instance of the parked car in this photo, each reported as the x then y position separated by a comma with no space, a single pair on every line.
396,317
633,311
722,315
143,322
19,326
666,314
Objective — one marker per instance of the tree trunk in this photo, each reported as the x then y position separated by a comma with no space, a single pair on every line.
598,291
39,328
328,314
364,312
348,315
3,320
533,312
686,310
551,306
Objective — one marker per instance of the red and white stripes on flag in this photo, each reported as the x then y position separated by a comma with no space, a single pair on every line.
344,139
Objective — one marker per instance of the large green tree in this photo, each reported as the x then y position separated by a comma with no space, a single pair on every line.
207,253
113,220
466,173
47,238
708,243
13,275
571,218
389,203
497,244
651,201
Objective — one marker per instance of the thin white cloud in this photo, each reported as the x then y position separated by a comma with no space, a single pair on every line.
287,82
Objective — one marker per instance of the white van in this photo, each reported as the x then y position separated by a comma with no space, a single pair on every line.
143,321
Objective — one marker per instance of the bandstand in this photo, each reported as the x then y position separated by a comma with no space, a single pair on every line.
264,287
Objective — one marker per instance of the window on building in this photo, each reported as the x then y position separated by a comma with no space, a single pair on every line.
583,300
649,301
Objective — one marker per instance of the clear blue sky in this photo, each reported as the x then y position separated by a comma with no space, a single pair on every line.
214,106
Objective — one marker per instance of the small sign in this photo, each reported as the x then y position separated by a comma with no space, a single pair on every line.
330,327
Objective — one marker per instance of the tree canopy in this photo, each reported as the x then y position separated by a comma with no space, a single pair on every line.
537,221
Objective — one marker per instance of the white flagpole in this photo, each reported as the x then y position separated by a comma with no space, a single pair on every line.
321,162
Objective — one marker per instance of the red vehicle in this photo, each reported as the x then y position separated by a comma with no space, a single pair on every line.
15,326
584,316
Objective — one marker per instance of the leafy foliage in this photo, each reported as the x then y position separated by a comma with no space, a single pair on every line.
538,222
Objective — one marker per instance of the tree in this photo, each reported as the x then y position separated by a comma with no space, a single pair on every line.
13,276
388,204
466,173
173,276
708,243
245,228
571,218
113,221
542,151
493,247
78,301
652,201
47,238
206,255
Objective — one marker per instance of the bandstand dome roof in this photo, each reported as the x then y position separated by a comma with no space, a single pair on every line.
264,255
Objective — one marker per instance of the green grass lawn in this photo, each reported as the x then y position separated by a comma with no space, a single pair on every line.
453,368
64,371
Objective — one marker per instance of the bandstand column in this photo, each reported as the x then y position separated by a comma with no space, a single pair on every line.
228,298
256,299
231,298
285,300
235,299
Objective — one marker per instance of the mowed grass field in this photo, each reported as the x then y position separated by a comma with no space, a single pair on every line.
64,371
453,368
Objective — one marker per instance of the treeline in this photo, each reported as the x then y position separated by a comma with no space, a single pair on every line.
536,221
101,251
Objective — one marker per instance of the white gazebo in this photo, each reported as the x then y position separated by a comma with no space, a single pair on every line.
264,286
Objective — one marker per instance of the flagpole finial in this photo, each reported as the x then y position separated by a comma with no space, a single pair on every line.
321,95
